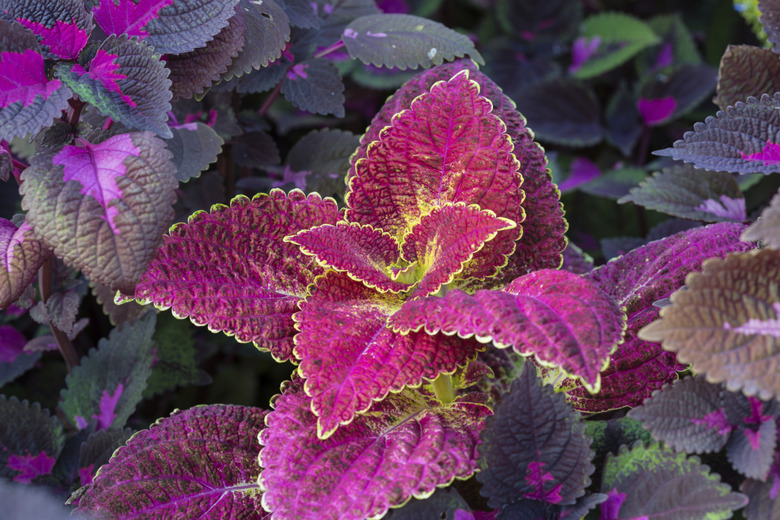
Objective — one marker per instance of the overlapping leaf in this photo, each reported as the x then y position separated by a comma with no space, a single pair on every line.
103,207
762,496
680,90
653,481
540,22
750,450
746,70
21,254
30,440
767,227
267,32
445,502
362,360
29,100
561,318
740,139
197,463
733,343
325,153
315,85
334,17
62,27
230,269
406,447
125,81
685,192
534,447
405,41
770,21
194,146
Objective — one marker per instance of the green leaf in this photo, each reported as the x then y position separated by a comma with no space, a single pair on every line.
405,41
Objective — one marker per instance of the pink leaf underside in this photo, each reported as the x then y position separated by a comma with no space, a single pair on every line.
231,269
561,318
126,16
410,446
64,39
447,147
23,78
351,358
96,167
21,254
103,68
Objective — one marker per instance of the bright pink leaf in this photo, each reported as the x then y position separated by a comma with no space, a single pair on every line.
30,466
64,39
107,407
126,16
23,78
582,171
12,343
770,154
103,68
536,478
656,111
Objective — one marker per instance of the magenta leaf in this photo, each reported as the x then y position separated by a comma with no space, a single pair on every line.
406,447
108,383
656,111
362,360
64,40
12,343
267,32
61,26
405,41
21,254
197,463
127,16
30,440
235,258
659,483
24,79
315,85
118,193
561,318
534,446
126,81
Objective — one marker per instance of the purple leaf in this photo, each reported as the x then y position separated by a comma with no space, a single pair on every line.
197,463
561,318
103,68
23,79
767,227
194,147
315,86
362,360
235,258
656,111
325,153
12,343
127,16
30,467
746,70
21,254
676,92
406,446
118,194
582,171
610,509
62,26
750,449
64,40
267,31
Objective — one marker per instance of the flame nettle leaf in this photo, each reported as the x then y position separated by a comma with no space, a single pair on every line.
530,509
656,111
231,270
407,446
739,139
108,383
636,280
315,85
60,310
61,26
750,449
29,100
334,16
21,364
534,447
405,41
194,146
561,318
192,72
444,503
685,192
302,13
118,194
21,254
197,463
687,416
97,450
325,153
676,92
767,227
362,360
746,70
12,343
656,482
267,32
770,21
540,23
735,344
30,440
125,81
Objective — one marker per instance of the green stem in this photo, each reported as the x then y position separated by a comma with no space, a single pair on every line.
63,343
443,388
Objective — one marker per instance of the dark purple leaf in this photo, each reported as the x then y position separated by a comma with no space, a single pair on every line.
302,13
750,448
255,149
30,440
334,16
21,364
675,93
770,21
315,85
444,503
623,123
117,314
534,447
61,26
325,154
97,449
746,71
267,32
194,147
540,23
59,310
582,171
762,496
198,463
615,184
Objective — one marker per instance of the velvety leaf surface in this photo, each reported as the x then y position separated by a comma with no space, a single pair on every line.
125,81
746,70
108,383
534,447
767,227
727,342
544,226
59,310
103,207
657,483
562,318
230,269
405,447
405,41
687,416
685,192
739,139
362,360
267,32
29,100
636,280
194,147
61,27
31,439
461,154
193,72
197,463
21,254
315,85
